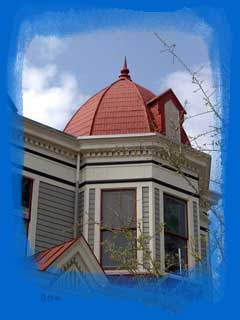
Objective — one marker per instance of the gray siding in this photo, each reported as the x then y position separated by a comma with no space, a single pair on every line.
157,224
203,246
55,216
80,212
196,227
204,220
204,253
91,218
145,220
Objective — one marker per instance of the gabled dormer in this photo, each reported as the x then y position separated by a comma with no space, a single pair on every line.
167,114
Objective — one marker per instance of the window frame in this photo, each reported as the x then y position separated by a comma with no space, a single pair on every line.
102,229
172,234
27,216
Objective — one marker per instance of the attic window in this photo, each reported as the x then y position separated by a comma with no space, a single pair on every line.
172,121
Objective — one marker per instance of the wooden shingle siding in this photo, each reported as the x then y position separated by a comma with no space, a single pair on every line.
80,212
196,228
54,217
91,218
157,224
145,220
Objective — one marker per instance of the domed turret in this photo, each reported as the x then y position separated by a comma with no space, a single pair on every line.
124,107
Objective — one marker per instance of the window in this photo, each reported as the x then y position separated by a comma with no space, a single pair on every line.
176,233
118,228
172,121
26,200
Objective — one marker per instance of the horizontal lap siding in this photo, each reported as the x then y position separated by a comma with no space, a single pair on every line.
145,221
80,212
55,216
196,228
204,252
157,224
91,218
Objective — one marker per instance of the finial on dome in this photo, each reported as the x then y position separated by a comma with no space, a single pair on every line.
125,72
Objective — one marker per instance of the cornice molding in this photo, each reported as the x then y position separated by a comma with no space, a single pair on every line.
49,146
152,152
152,147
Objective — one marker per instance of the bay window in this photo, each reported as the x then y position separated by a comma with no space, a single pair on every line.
118,228
176,233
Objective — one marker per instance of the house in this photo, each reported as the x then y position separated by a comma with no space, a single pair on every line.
122,169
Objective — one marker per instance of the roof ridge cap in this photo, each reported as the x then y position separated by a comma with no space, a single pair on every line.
159,95
169,90
144,104
100,100
84,105
139,85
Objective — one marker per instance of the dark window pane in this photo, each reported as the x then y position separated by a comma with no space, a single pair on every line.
175,216
118,228
118,249
118,209
26,192
172,246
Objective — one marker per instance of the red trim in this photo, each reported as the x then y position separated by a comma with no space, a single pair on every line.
161,108
168,95
160,102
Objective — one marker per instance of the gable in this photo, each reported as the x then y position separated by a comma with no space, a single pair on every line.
74,275
164,107
76,258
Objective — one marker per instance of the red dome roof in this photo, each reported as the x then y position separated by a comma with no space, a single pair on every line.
121,108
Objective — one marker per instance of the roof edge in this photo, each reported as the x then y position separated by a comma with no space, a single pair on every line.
168,91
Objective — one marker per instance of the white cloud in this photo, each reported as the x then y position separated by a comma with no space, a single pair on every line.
38,79
48,48
48,96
